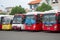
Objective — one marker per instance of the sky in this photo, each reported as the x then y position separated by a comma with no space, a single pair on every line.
12,3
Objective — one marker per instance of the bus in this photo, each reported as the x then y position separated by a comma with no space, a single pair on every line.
33,22
51,22
18,22
7,22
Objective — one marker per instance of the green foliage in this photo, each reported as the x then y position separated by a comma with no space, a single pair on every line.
17,10
43,7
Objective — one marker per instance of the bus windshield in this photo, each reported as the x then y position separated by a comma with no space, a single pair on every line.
49,19
30,19
6,21
52,19
46,19
17,20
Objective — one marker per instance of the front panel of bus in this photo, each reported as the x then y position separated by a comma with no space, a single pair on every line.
18,23
33,23
30,22
49,22
6,24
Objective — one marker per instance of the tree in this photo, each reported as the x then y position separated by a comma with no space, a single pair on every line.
43,7
17,9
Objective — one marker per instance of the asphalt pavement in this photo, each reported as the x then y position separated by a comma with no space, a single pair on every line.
24,35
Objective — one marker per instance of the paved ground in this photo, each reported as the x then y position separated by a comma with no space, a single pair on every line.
14,35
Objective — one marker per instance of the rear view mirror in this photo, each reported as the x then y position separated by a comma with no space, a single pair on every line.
23,21
11,21
2,19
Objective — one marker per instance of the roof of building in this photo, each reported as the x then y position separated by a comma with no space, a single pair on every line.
34,2
8,7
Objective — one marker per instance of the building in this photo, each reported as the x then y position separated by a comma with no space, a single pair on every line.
27,10
8,9
35,3
1,11
55,4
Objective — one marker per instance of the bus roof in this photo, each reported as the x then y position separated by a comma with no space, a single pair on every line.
8,16
46,12
34,13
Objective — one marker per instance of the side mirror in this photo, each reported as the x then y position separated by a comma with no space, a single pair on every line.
23,21
11,21
2,18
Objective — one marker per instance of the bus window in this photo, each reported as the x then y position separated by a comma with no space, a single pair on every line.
52,19
17,20
6,21
46,19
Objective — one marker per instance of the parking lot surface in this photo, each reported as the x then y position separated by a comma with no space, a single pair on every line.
24,35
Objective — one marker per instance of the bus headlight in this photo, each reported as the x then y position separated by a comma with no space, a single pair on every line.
34,26
55,27
43,26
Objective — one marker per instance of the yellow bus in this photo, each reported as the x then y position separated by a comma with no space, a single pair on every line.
7,23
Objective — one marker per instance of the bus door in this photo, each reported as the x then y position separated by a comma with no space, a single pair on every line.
39,22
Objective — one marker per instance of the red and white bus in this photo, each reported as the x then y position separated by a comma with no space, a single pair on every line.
33,22
18,22
51,21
